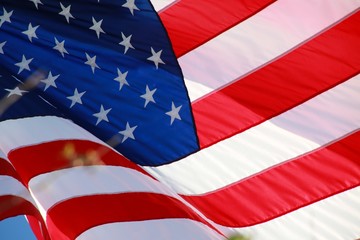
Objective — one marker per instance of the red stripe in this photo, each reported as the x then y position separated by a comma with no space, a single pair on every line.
318,65
191,23
7,169
31,161
285,188
11,206
38,227
76,215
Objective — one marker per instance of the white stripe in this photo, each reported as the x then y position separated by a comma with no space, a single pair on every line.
319,121
163,229
55,187
335,218
11,186
51,188
30,131
249,45
161,4
3,156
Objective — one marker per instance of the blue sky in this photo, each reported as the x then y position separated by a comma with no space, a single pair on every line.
15,228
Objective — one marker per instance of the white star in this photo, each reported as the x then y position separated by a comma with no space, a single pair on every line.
174,113
1,47
15,91
156,57
91,61
5,17
128,132
31,32
36,2
130,4
76,98
66,12
60,47
148,96
121,78
24,64
102,115
126,42
97,27
50,81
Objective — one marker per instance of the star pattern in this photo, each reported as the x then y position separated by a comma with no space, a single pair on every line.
130,4
76,98
126,42
121,78
5,17
31,32
50,81
24,64
128,132
156,58
60,47
97,27
57,47
36,2
16,91
91,61
148,96
1,47
174,113
65,11
102,115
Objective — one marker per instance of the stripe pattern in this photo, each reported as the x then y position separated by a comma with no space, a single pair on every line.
95,177
275,90
276,122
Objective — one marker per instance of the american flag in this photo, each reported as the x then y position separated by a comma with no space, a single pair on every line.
185,119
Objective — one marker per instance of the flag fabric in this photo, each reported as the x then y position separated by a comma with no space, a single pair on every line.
181,119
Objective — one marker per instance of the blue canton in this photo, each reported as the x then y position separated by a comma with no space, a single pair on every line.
106,65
